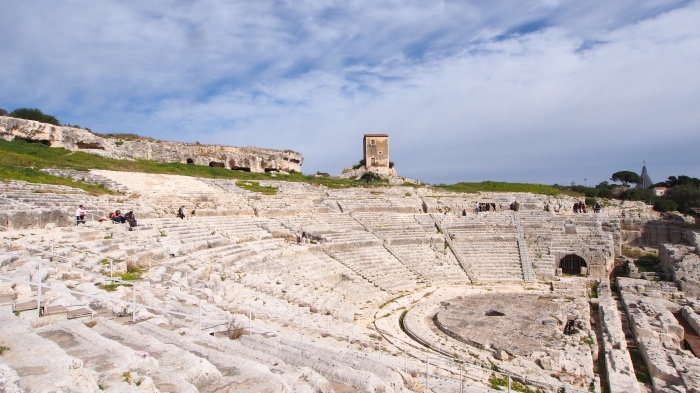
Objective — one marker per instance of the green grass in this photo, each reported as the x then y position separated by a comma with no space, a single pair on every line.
110,287
640,368
31,175
20,160
492,186
256,187
648,263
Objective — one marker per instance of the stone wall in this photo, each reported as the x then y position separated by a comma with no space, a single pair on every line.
240,158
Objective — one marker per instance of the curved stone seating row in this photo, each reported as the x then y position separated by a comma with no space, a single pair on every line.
377,265
431,266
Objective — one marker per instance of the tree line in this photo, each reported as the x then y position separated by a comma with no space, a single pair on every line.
31,114
682,192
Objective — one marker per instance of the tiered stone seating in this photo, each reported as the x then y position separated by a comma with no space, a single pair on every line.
318,224
488,242
87,177
229,261
316,281
394,228
377,265
539,229
376,203
280,206
423,252
187,236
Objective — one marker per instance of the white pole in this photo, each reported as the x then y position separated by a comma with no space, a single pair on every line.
250,331
199,320
427,365
405,361
38,297
508,382
111,269
301,316
379,345
133,313
460,379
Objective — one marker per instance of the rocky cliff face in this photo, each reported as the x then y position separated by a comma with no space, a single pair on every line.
250,159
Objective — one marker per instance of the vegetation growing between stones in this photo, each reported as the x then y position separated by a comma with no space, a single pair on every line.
500,382
640,368
648,263
234,330
133,272
256,187
3,349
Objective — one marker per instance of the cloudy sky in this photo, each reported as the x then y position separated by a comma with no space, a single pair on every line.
542,91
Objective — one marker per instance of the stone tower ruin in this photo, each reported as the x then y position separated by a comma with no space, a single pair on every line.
376,149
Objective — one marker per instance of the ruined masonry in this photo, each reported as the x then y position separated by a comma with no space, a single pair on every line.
392,290
249,159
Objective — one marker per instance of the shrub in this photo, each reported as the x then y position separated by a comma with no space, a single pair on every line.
685,197
234,330
391,164
370,177
3,112
359,164
34,114
665,205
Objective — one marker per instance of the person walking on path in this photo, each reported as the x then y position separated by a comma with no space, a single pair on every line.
181,212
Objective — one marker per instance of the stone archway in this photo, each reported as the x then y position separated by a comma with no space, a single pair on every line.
573,264
215,164
190,161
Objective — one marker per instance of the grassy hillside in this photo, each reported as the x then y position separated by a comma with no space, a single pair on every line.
17,156
21,160
492,186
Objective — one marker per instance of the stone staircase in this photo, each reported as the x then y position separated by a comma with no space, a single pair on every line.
528,273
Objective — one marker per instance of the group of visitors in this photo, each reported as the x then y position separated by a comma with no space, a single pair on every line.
485,207
580,207
117,218
299,236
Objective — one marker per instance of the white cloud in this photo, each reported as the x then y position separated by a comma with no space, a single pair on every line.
549,92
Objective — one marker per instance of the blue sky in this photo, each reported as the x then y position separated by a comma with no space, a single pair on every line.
546,91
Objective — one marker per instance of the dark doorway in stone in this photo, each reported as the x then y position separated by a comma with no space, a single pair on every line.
215,164
572,264
190,161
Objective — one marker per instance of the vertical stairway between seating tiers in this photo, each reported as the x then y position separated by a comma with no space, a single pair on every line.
528,273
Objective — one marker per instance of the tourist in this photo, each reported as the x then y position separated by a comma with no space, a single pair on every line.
582,207
117,217
576,207
131,219
303,236
464,212
298,236
181,212
493,206
596,208
193,213
80,215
